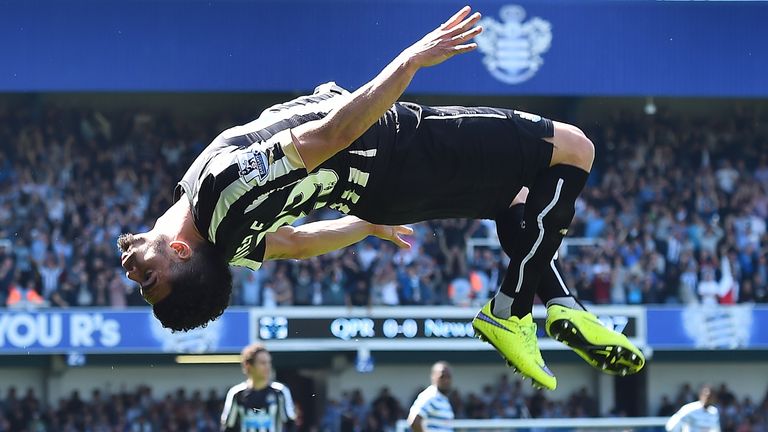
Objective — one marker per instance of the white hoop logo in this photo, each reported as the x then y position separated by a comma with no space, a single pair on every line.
512,47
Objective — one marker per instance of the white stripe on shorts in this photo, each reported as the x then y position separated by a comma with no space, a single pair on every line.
366,153
455,116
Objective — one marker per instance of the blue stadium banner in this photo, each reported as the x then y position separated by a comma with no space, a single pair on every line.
529,47
109,331
708,327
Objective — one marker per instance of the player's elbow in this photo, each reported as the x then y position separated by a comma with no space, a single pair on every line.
316,142
319,140
285,243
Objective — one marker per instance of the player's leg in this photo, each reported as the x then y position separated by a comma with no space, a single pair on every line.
547,214
459,162
509,227
567,319
514,337
551,288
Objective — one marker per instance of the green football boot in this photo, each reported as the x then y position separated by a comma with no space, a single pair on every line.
602,347
515,339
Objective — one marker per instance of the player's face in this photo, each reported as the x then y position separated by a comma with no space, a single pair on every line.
442,378
707,396
147,261
261,367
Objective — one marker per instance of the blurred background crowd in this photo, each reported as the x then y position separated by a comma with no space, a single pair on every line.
675,212
141,410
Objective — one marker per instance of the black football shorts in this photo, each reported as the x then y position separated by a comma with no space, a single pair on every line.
450,162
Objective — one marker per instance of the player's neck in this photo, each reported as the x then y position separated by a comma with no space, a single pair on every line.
257,384
178,223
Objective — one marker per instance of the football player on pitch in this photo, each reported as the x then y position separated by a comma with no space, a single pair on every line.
384,163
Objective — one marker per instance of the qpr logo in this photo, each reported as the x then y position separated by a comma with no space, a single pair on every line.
513,48
273,327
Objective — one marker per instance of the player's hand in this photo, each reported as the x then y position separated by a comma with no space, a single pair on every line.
451,38
394,234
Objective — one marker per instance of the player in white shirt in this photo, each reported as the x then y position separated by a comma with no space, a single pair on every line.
699,416
432,404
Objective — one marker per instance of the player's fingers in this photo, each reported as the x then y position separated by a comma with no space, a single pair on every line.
405,230
401,243
467,35
456,18
466,24
460,49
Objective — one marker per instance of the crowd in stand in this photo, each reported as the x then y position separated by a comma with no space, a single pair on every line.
140,410
124,411
675,212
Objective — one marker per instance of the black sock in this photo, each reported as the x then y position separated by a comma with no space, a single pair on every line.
552,285
508,228
547,214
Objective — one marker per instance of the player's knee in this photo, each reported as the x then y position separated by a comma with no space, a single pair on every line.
582,149
574,146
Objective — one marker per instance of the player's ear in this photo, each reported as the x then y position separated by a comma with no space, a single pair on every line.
182,249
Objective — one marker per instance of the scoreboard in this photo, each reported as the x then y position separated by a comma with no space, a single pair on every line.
403,328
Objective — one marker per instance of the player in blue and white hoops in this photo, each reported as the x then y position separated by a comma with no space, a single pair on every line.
432,408
698,416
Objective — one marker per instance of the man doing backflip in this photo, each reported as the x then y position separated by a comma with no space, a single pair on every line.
384,163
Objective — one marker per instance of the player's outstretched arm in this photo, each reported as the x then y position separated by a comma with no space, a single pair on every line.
675,423
416,423
319,140
321,237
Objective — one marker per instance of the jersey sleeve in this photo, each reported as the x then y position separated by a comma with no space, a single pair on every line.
254,257
329,89
420,406
681,417
264,164
289,409
229,415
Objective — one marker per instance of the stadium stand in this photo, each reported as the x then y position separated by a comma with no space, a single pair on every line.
675,212
140,409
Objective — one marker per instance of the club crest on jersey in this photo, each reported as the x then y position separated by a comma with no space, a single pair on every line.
253,165
512,47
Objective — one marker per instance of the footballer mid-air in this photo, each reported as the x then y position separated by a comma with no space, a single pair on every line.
384,163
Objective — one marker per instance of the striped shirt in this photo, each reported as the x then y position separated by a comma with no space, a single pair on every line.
434,408
267,410
695,417
250,180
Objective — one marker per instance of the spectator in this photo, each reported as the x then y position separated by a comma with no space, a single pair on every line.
385,286
50,273
65,296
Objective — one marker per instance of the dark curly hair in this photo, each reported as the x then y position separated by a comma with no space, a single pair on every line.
200,291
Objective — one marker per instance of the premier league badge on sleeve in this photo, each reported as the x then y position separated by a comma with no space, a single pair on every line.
253,165
513,48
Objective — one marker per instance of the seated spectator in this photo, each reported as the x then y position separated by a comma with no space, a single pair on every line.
65,296
23,293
